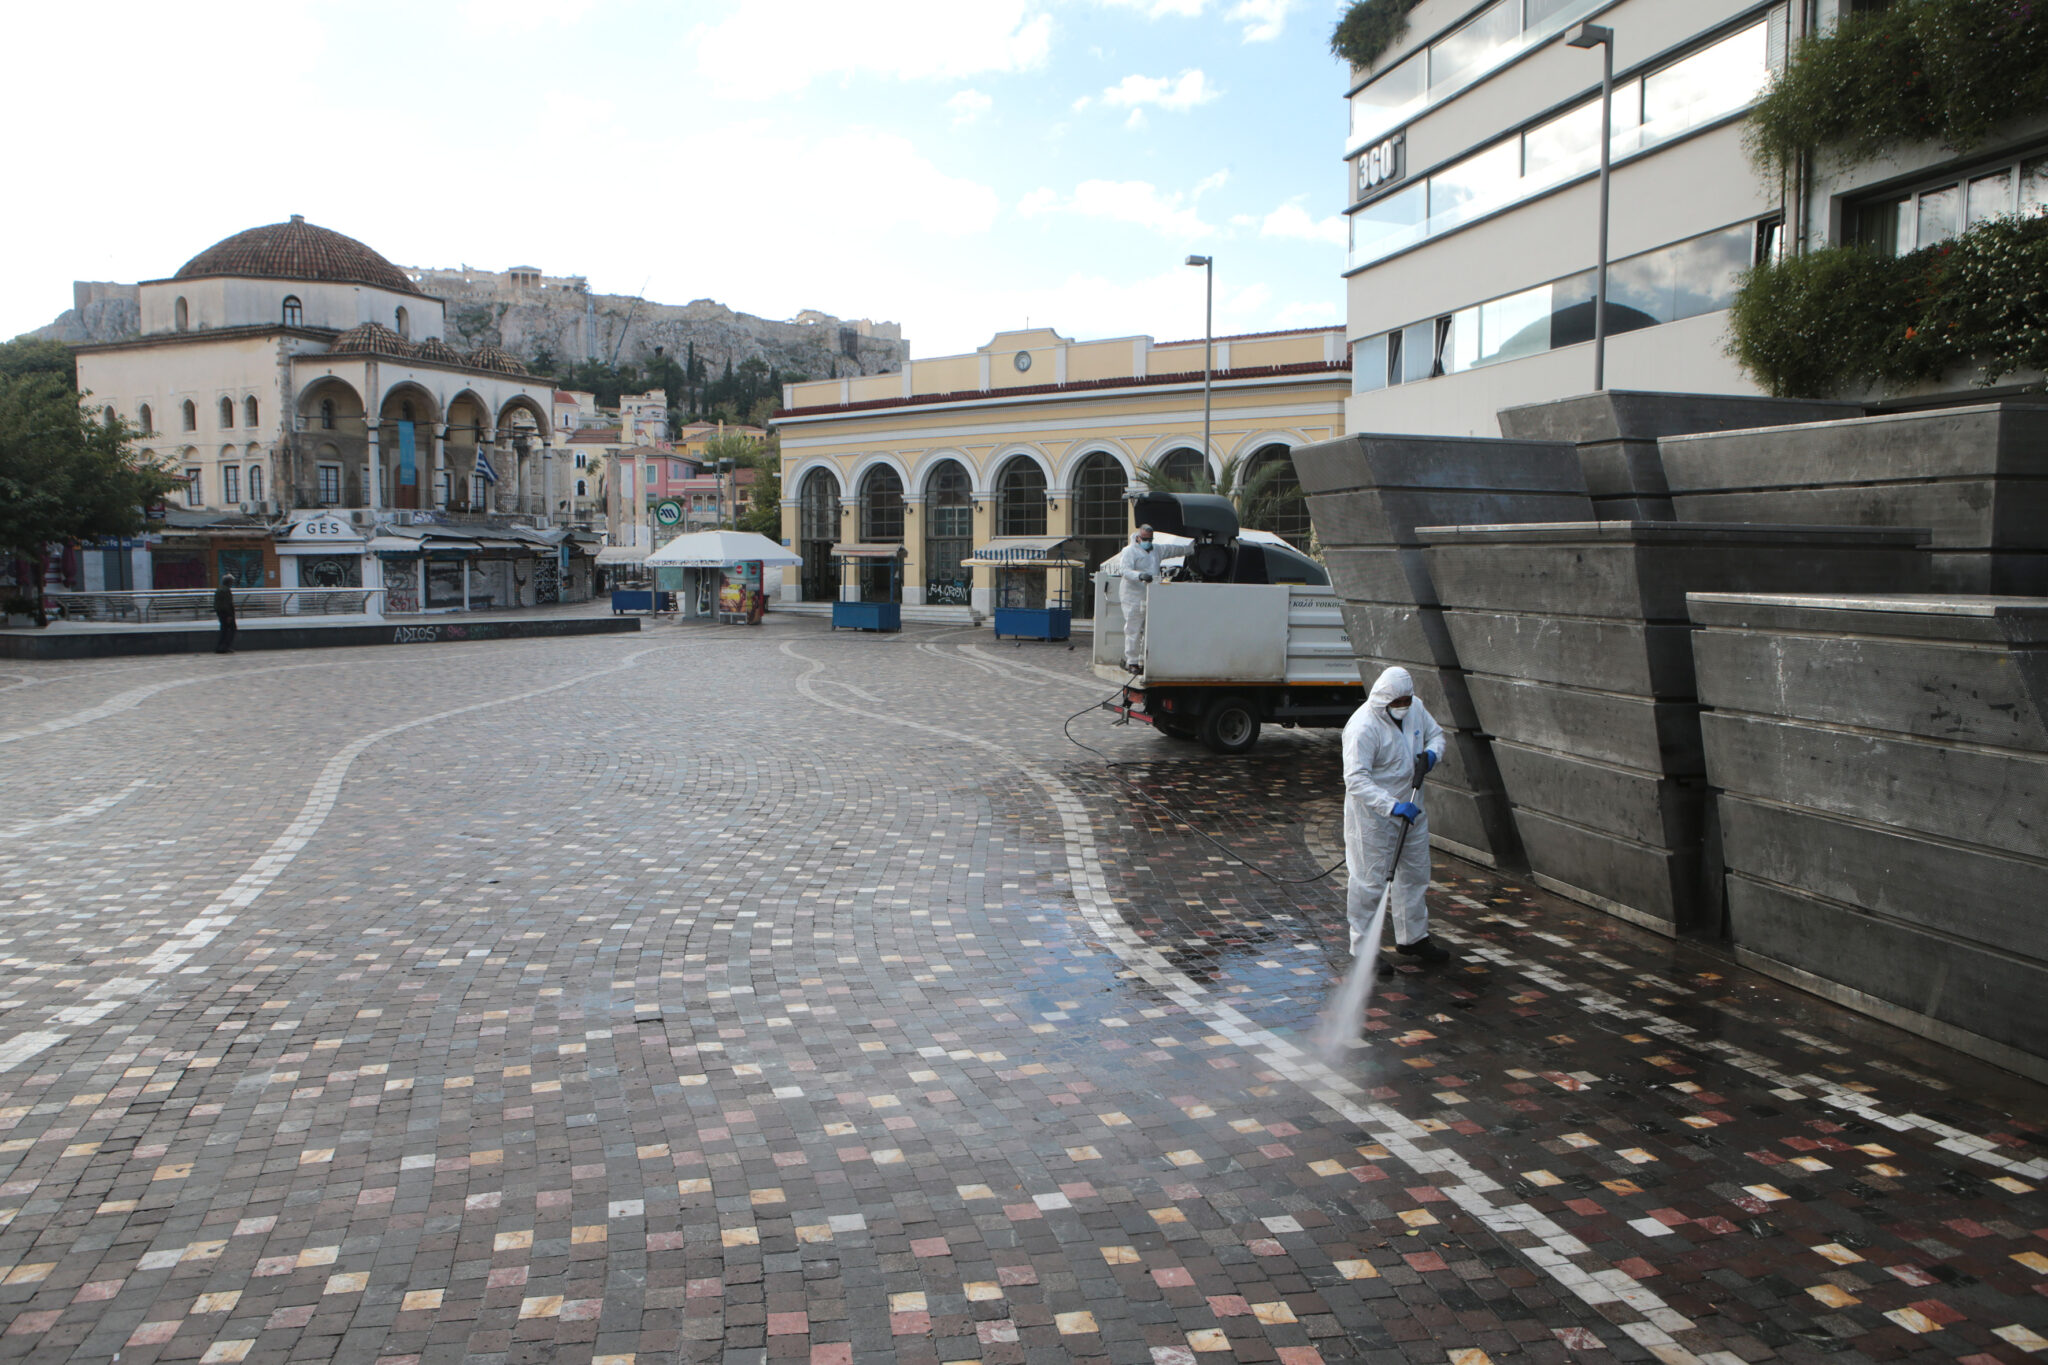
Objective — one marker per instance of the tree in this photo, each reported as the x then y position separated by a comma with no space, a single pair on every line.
740,451
27,355
65,474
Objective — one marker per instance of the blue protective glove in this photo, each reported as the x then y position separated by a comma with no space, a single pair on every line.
1407,810
1424,761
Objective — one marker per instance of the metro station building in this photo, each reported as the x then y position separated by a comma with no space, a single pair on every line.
1036,437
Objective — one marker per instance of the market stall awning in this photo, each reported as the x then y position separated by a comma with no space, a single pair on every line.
866,551
719,549
1023,552
622,554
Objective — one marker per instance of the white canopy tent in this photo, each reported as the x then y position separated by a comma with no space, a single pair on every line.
721,549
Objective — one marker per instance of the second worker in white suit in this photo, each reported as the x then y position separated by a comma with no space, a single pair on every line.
1137,569
1389,744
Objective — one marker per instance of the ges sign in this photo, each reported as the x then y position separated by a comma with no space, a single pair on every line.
1382,164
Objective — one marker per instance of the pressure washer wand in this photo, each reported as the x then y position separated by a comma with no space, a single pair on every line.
1345,1014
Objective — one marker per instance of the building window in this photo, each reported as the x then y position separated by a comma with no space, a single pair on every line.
145,421
404,323
294,312
1698,89
329,485
230,484
881,506
447,487
1275,503
580,489
256,483
327,414
107,415
249,411
405,411
191,415
1183,469
1020,499
1902,221
948,535
181,316
227,414
582,460
195,488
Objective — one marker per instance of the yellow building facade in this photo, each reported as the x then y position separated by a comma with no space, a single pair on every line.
1034,436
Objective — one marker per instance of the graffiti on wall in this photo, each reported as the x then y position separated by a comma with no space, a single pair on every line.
547,582
401,585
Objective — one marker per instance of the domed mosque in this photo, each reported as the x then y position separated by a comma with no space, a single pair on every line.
292,371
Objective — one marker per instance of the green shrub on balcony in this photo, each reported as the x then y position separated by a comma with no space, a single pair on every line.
1369,28
1837,321
1947,71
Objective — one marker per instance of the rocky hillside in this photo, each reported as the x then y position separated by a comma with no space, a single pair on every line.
535,317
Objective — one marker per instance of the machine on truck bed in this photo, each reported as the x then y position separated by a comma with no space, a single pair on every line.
1238,635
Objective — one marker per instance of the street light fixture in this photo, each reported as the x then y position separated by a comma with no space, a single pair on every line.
1590,36
1208,264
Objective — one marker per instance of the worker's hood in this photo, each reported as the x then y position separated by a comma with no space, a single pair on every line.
1395,682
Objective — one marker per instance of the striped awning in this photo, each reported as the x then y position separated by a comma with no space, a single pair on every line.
1024,551
863,550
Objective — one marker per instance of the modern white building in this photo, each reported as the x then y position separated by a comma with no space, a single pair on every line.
1472,164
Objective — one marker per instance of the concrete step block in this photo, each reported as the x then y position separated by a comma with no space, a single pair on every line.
1387,517
1476,822
1831,667
1634,732
1935,886
1664,812
1641,414
1658,888
1613,656
1381,575
1476,465
1988,798
1935,982
1401,632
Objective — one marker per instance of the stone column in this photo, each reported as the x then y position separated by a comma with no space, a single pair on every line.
433,498
373,468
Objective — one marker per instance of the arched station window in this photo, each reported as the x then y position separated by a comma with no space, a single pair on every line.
948,535
881,506
1273,499
1020,498
817,526
1101,517
1185,468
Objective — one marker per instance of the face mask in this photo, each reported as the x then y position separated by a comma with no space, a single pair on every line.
1398,712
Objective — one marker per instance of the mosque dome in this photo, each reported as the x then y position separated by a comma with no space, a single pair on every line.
491,358
296,250
435,351
371,338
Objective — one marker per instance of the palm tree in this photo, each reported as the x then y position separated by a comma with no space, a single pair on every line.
1250,491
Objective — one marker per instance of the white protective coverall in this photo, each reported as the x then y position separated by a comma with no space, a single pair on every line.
1138,562
1379,770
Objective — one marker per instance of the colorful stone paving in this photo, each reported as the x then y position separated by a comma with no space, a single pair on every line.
727,995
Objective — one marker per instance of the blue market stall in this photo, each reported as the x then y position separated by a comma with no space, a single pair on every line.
870,586
1034,584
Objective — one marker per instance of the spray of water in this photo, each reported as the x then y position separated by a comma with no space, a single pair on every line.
1344,1016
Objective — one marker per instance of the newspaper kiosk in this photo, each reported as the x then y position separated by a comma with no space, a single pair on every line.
870,586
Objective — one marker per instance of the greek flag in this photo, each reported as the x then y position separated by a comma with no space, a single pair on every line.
483,466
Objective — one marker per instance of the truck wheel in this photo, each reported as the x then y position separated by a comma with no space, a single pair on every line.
1231,726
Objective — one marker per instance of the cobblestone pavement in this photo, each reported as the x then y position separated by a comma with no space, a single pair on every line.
748,995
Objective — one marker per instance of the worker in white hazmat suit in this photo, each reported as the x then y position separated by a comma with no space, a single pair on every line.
1137,567
1389,743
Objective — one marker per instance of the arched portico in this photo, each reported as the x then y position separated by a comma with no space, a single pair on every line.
408,444
330,449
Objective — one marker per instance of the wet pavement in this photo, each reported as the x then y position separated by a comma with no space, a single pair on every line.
745,995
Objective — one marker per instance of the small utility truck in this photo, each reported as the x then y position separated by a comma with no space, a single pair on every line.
1239,634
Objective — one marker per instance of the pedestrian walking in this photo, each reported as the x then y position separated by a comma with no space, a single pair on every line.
1136,569
1390,743
224,609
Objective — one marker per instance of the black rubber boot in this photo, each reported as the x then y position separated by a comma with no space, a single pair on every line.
1424,949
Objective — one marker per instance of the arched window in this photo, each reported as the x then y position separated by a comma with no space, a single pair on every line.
249,411
294,312
230,484
580,492
227,413
817,526
881,506
191,415
404,326
1184,469
327,414
145,421
1101,516
181,316
1020,499
582,460
256,483
948,535
107,415
405,408
1271,499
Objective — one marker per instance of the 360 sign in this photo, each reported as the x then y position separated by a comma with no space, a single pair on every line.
1382,164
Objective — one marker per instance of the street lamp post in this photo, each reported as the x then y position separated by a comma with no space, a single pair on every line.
1208,264
1588,36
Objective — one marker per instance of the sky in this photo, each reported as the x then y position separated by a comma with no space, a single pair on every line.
960,167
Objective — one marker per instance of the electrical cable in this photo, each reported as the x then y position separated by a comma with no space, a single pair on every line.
1067,730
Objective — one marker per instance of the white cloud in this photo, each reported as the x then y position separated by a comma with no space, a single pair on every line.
767,50
1136,202
1159,9
1292,220
1263,20
1174,94
1136,121
969,105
